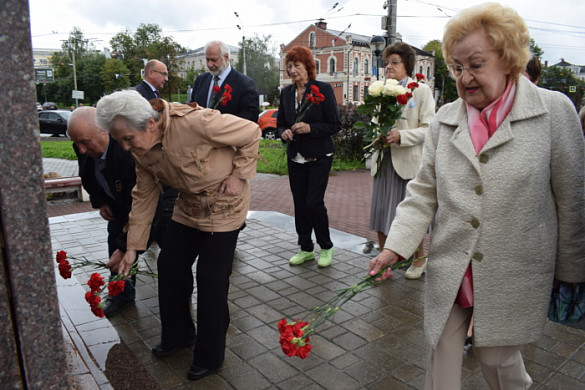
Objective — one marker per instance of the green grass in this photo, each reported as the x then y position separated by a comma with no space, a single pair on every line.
58,149
273,151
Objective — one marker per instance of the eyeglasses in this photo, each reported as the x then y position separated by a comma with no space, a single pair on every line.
163,73
456,70
393,63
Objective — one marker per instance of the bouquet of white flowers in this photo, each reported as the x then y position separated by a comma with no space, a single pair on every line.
384,101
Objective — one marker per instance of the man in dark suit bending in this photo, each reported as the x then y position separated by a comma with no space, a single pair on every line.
244,101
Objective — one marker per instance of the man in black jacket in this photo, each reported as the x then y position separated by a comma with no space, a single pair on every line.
155,77
107,174
244,96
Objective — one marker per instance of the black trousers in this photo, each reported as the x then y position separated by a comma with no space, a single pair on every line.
175,284
308,183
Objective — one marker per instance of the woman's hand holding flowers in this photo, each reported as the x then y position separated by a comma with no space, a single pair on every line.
386,258
301,128
393,137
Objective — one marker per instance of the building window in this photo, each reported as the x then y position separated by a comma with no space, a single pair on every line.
356,92
428,72
420,70
317,66
332,65
312,43
355,66
366,66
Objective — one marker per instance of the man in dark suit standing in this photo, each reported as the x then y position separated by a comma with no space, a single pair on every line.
244,102
107,174
155,77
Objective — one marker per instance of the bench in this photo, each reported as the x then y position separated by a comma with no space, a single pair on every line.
64,184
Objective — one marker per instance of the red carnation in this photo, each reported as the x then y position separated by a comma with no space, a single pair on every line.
92,298
98,311
95,282
303,351
65,269
228,88
225,98
215,89
412,85
420,76
61,256
402,99
116,287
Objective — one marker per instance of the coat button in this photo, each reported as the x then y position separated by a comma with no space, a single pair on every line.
478,190
477,256
474,222
483,158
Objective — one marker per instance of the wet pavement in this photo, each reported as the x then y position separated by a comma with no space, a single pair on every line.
376,340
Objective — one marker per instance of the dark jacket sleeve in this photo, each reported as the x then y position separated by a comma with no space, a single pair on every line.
248,104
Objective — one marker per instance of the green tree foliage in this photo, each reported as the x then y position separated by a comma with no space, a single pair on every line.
115,75
88,63
443,81
148,43
260,65
561,79
535,49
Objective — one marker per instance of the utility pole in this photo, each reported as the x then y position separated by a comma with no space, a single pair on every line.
389,21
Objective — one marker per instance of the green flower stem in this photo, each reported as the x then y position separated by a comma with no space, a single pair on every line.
332,306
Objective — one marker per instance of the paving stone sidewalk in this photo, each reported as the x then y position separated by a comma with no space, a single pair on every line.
375,342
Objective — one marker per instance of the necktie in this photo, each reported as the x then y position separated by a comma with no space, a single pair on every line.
156,94
212,95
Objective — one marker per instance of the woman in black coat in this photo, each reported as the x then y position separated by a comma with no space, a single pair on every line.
307,118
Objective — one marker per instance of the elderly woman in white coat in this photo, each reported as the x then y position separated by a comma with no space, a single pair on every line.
402,159
503,167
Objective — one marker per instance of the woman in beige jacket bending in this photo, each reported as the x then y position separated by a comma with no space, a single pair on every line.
208,157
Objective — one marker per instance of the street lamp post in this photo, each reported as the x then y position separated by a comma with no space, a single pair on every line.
243,40
377,44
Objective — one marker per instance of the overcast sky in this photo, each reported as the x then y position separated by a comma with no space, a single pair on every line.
558,27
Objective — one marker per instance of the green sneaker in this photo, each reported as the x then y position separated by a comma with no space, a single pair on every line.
301,257
325,257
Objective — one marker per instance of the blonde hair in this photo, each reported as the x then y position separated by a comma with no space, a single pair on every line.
505,29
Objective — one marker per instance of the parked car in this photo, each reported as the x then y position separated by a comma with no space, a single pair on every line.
39,107
49,106
267,123
54,122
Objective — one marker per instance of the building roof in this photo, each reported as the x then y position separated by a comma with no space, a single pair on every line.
201,51
563,63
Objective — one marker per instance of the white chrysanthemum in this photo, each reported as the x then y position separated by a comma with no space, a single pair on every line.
376,88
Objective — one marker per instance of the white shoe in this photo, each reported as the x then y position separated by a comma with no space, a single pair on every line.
415,272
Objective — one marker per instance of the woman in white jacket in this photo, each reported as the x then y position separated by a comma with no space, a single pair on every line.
401,160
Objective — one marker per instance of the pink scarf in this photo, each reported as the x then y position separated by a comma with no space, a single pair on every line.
483,124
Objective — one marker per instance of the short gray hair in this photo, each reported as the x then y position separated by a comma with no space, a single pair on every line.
127,104
223,47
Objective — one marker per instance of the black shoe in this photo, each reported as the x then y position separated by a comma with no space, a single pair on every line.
113,306
196,372
160,351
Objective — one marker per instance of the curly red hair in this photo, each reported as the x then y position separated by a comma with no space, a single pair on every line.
305,56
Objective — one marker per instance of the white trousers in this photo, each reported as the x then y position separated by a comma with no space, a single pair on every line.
502,367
